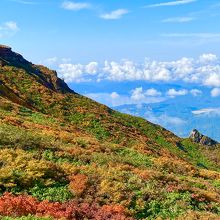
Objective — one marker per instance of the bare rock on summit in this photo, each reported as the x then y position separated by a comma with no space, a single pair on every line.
199,138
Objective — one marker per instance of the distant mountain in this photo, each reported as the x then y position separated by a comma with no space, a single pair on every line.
181,115
66,156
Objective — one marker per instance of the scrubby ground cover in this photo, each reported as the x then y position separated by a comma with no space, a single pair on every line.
65,156
49,160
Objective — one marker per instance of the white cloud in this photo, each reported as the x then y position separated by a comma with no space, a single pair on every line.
208,58
207,111
215,92
78,72
171,3
196,92
92,68
128,70
138,94
114,15
174,93
213,75
137,97
203,71
71,72
75,6
152,92
8,29
178,20
110,99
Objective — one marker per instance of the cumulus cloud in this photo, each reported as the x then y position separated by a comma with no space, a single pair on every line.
77,72
111,99
174,93
91,68
153,92
8,28
114,15
71,72
75,6
171,3
128,70
208,58
215,92
205,70
137,96
213,79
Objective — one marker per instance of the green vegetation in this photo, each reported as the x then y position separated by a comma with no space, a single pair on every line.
60,151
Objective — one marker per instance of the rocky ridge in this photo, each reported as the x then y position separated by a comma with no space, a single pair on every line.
45,76
199,138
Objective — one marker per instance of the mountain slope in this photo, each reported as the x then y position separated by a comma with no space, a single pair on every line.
59,146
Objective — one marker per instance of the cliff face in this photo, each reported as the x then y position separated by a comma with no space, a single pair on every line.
199,138
11,57
4,50
47,77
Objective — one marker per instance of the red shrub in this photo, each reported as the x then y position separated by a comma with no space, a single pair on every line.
23,205
17,206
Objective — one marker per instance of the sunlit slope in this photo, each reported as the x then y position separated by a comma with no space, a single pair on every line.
57,145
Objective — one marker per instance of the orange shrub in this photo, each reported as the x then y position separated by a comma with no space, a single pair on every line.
78,184
23,205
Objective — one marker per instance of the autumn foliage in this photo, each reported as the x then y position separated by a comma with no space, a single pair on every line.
24,205
66,156
78,184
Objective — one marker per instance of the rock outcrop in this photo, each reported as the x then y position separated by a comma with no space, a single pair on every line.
45,76
4,50
8,55
199,138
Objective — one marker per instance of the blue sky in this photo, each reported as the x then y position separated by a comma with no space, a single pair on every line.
47,28
127,53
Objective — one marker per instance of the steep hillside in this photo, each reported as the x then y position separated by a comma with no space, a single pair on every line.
64,155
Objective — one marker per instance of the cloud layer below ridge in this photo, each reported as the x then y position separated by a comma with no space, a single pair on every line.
204,70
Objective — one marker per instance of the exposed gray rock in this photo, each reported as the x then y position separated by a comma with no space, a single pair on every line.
199,138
